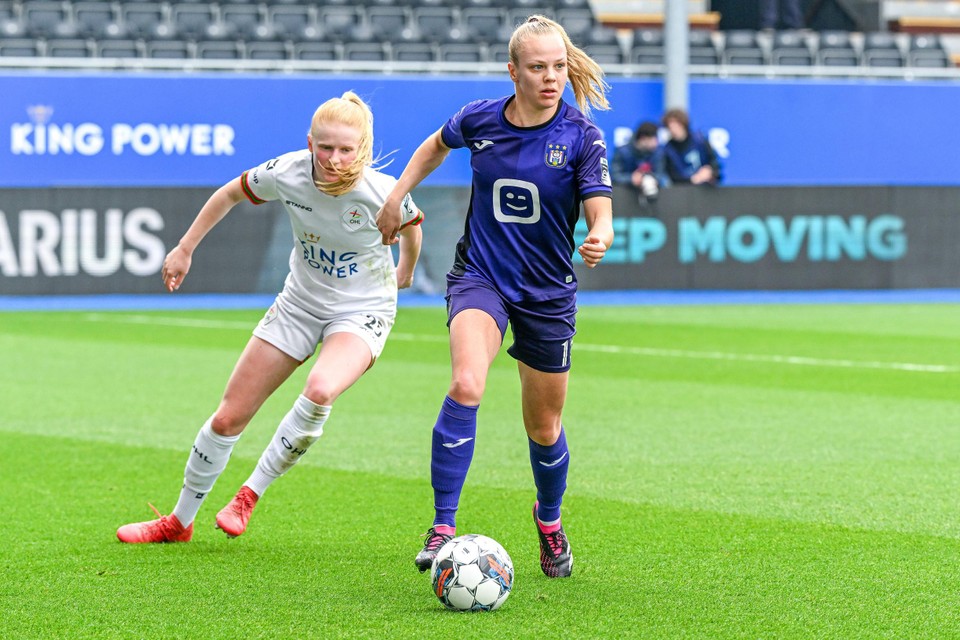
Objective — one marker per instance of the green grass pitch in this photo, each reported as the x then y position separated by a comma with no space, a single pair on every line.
767,471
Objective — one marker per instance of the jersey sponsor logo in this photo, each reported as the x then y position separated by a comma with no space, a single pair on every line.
556,155
354,219
483,144
342,264
601,143
516,201
298,205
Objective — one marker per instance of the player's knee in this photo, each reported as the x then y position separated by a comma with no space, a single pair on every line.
320,391
544,431
467,389
228,423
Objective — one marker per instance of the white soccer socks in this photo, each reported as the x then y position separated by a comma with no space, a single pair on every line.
299,429
209,457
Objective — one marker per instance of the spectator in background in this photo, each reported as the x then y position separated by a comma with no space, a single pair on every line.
639,163
791,17
688,156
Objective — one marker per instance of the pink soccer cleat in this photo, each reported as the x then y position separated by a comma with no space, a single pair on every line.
556,557
234,517
164,529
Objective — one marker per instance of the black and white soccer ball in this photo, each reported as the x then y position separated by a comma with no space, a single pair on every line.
472,573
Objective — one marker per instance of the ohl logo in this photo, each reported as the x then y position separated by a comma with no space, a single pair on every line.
556,156
353,219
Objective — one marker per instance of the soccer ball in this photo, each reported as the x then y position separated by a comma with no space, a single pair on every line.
472,573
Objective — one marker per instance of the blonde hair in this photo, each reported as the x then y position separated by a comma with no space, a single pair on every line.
586,76
350,110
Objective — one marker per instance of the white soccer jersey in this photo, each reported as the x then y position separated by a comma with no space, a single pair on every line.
338,264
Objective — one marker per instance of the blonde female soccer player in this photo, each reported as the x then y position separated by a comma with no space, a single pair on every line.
535,160
341,292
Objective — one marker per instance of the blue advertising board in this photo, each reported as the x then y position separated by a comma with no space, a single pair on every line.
113,130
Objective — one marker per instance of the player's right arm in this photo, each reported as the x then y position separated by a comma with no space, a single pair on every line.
177,263
428,156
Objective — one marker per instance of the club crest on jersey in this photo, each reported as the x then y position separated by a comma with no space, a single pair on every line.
354,218
270,316
556,156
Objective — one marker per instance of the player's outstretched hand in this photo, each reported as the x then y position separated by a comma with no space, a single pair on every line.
592,251
175,268
388,222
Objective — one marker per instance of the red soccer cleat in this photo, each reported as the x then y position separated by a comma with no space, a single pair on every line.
234,517
164,529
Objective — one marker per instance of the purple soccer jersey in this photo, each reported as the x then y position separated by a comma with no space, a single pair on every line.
528,184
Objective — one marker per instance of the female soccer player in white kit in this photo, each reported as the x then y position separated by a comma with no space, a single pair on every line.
341,292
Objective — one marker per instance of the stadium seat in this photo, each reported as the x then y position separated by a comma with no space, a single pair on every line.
413,52
880,50
294,23
43,19
530,7
517,15
836,50
461,52
267,50
191,20
169,49
337,21
94,19
119,49
498,51
483,24
67,48
247,21
12,28
577,23
18,48
142,18
435,24
790,49
364,51
742,48
702,48
316,51
926,50
604,54
600,35
572,4
387,21
218,50
646,46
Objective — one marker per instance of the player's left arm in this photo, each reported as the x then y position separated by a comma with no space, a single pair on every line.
598,213
411,238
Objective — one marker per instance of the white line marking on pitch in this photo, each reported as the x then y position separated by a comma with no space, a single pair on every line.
596,348
777,359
